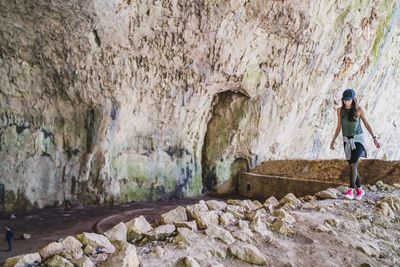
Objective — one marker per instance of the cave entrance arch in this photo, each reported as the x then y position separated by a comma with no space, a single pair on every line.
220,165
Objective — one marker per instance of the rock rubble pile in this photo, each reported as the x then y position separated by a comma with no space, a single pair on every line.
323,229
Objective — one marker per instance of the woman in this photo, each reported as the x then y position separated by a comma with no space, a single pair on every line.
354,144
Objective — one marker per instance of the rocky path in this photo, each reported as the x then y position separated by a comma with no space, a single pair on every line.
319,230
51,224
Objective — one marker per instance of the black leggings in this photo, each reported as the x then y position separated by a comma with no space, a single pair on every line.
355,156
356,153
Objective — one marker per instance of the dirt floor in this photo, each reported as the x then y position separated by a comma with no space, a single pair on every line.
48,225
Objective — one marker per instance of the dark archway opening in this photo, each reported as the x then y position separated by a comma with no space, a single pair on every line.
229,108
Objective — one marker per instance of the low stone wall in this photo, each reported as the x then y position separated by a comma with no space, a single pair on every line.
261,187
336,171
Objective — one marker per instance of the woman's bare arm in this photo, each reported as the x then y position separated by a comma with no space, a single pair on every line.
361,112
338,128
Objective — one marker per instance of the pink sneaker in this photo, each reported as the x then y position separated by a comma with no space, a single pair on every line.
360,193
349,194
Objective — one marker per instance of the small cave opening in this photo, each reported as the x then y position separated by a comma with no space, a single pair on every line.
229,108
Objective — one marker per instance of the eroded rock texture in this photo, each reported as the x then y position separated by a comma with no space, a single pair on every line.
107,101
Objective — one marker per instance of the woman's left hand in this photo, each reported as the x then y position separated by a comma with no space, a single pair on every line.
377,143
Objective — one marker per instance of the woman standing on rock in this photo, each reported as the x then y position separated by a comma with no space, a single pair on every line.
349,115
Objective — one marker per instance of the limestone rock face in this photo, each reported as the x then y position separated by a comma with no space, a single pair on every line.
105,101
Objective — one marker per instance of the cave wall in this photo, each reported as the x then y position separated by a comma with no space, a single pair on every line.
108,101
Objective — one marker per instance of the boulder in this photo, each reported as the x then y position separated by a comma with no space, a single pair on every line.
71,254
96,241
220,233
69,243
117,234
366,249
284,215
271,203
234,202
309,205
22,260
125,256
243,224
385,210
384,187
281,227
186,236
258,226
83,262
332,222
89,250
309,198
219,251
321,228
289,206
192,225
58,261
190,262
137,227
241,235
247,253
258,204
290,198
161,232
248,205
99,258
205,218
226,218
199,207
216,205
177,214
237,211
330,193
260,213
392,201
189,234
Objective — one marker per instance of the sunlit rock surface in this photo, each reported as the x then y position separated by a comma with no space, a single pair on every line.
104,101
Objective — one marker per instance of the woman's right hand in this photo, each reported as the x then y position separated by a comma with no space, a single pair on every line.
377,143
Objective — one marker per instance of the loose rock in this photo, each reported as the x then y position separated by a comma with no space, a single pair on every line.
177,214
247,253
125,256
137,227
22,260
